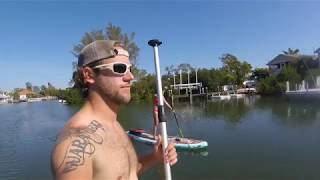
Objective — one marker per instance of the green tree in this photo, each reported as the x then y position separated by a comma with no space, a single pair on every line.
36,89
234,70
270,86
29,86
16,95
144,88
43,89
50,90
260,73
72,96
304,64
185,67
169,70
138,73
211,78
289,73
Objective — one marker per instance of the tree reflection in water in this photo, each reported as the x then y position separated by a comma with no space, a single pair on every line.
291,112
234,111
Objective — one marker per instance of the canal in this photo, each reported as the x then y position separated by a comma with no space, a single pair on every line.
250,138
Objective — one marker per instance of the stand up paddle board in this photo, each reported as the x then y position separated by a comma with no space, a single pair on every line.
180,143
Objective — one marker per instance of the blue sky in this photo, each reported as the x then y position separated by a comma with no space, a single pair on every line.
36,38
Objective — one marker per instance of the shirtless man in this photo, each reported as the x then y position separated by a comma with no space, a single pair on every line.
93,145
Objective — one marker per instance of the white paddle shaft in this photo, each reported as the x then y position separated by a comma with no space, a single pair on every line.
161,110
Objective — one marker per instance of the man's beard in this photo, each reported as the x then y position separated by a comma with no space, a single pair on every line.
118,97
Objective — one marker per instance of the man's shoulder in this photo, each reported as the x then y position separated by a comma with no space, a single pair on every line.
76,145
75,129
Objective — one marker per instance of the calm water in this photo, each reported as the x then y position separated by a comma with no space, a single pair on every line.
253,138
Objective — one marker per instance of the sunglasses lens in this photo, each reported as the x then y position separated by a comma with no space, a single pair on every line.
119,68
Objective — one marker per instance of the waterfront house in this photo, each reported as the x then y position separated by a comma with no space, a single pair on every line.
23,94
279,62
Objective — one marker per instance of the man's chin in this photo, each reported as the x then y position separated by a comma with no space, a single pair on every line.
124,99
127,100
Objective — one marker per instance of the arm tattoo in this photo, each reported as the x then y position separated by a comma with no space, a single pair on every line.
83,143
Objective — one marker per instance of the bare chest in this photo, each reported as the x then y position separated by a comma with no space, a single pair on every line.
116,159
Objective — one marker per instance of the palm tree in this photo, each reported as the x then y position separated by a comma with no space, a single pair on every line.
291,52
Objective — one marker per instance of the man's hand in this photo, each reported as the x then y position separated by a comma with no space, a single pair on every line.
170,156
157,156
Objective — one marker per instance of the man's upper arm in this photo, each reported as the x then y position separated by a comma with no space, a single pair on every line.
75,149
70,160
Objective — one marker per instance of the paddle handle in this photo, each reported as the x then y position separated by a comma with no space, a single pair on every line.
155,43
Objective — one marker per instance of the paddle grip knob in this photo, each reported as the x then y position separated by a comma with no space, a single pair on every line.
154,42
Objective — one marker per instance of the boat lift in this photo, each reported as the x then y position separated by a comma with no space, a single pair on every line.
189,87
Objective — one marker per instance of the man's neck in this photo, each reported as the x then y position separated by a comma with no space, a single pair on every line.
103,108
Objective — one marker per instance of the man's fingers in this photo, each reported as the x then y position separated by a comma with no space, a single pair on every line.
173,162
170,147
171,154
172,159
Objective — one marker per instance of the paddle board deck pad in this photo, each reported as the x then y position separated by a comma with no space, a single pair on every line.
180,143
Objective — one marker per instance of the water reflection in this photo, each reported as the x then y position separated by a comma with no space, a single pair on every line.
290,112
235,111
231,111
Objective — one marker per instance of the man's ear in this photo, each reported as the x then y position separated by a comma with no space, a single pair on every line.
88,75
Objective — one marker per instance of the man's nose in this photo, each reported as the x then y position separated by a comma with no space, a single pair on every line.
128,76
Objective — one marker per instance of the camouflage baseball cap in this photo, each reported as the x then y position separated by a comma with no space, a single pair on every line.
98,50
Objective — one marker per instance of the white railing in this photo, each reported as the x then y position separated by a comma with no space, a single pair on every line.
304,86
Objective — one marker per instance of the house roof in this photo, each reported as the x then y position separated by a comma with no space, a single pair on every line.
282,58
25,92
